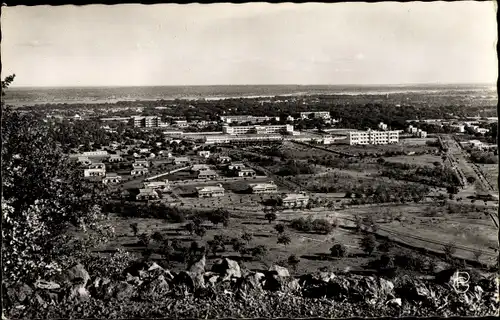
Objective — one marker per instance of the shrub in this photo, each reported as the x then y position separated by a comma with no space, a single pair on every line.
284,239
369,244
135,228
449,250
144,239
280,228
247,237
293,261
259,251
386,246
271,216
338,250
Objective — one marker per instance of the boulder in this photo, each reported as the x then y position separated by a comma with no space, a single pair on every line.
79,292
75,274
156,288
227,268
191,280
47,285
137,281
281,271
326,276
123,291
198,267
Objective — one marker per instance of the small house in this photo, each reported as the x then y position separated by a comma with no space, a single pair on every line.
291,200
246,172
147,194
207,174
140,164
112,178
236,166
210,191
139,171
263,187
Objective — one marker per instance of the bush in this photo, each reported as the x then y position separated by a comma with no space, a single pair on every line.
369,244
338,250
259,251
386,246
284,239
280,228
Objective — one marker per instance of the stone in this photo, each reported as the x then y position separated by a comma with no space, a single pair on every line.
227,268
47,285
326,276
156,288
281,271
123,291
76,273
198,267
19,293
134,280
79,292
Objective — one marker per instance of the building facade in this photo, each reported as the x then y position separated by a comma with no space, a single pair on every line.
317,114
295,200
246,118
145,121
236,130
139,172
372,137
263,188
210,191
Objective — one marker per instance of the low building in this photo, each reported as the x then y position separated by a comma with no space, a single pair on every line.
115,158
246,172
223,159
147,194
140,164
181,160
236,166
139,171
256,129
97,165
243,139
204,154
207,174
94,172
210,191
316,114
84,161
263,187
295,200
157,185
112,178
199,167
98,153
411,129
181,123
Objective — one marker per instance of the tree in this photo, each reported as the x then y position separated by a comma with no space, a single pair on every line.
157,236
190,227
280,228
145,239
247,237
449,250
284,239
43,194
477,255
135,228
259,251
338,250
271,216
200,231
385,246
219,216
369,244
238,245
293,261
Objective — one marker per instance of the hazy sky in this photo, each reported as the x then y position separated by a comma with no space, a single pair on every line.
343,43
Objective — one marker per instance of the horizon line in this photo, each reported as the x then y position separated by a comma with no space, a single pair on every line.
250,85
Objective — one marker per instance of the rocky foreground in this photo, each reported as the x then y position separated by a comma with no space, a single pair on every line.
148,290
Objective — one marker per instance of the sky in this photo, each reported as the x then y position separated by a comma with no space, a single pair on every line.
257,43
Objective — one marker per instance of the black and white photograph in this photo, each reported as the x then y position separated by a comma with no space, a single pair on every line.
252,160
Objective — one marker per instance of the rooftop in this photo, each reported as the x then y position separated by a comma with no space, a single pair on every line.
210,189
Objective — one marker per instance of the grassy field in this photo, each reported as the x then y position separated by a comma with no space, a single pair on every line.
490,172
425,159
472,230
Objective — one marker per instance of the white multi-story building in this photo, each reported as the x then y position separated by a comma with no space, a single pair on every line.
145,121
254,138
317,114
295,200
286,129
204,154
246,118
412,129
372,137
94,172
157,185
98,153
139,171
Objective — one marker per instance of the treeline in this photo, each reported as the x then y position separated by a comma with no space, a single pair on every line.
484,157
293,168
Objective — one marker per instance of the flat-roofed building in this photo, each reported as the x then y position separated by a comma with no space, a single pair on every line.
246,172
140,164
147,194
181,160
236,166
317,114
199,167
84,161
139,171
372,137
115,158
157,185
295,200
112,178
97,153
263,187
94,172
242,139
247,118
207,174
256,129
223,159
204,154
382,126
97,165
145,121
210,191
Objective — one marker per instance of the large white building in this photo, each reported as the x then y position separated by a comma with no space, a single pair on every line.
317,114
145,121
246,118
225,139
286,129
372,137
